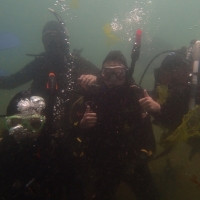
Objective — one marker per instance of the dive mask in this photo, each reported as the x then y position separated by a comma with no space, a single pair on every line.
118,71
25,127
30,121
52,40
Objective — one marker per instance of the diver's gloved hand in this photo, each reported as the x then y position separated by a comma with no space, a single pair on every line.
89,119
148,104
85,80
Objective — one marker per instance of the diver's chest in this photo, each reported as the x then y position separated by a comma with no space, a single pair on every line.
117,111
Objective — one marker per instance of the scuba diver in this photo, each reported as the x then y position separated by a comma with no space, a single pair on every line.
173,75
177,91
56,59
53,73
115,132
18,147
31,166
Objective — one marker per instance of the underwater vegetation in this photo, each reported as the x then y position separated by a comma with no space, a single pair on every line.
74,4
111,38
189,128
162,91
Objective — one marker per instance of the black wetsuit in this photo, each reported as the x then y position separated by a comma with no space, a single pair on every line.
113,146
49,161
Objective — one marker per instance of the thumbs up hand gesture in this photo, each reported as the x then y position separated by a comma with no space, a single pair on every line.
148,104
89,119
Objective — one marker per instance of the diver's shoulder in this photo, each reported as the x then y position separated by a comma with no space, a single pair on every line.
172,54
175,55
85,65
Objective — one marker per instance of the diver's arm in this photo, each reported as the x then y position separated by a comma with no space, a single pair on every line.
143,125
148,143
19,78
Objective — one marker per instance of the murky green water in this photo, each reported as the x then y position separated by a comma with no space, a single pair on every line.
166,25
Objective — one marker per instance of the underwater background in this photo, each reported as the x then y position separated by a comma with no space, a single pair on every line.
99,26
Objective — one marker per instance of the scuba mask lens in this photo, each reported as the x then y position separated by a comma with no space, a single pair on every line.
36,123
13,121
107,72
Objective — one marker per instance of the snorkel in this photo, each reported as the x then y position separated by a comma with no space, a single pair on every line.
135,51
63,29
